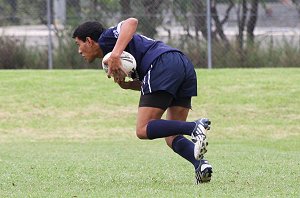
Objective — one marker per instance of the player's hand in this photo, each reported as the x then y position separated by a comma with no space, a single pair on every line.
115,69
124,85
133,85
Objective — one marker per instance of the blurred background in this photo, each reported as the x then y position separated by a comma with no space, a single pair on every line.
37,34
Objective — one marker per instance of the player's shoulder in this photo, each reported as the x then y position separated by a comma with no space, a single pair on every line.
115,30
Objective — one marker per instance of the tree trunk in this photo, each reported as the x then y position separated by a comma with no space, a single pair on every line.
200,18
231,5
296,2
125,8
76,5
219,26
198,12
151,8
252,21
241,24
14,5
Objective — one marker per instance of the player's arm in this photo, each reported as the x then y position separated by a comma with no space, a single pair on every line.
133,85
127,30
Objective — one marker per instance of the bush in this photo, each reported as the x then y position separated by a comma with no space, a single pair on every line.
15,55
257,55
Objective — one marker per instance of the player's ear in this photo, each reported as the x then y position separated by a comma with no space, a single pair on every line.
89,41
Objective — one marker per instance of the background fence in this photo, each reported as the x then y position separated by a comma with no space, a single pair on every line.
245,33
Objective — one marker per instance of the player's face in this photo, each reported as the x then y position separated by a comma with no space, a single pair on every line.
86,49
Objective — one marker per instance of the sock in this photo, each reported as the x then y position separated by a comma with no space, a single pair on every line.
166,128
185,148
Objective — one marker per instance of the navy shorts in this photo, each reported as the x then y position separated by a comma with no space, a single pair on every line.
172,72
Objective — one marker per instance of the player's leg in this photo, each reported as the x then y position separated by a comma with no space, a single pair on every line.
184,147
179,144
176,113
145,114
150,126
174,74
178,110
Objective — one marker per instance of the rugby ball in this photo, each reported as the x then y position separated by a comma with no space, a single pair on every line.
127,60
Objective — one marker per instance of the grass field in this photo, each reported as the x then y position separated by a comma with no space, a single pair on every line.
71,134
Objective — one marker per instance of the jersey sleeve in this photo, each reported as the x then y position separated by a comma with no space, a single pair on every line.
108,38
118,29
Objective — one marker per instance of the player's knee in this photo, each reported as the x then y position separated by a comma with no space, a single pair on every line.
141,133
169,140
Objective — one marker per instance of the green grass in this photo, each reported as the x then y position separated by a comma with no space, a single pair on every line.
71,134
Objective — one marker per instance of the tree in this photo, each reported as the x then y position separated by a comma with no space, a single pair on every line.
199,12
126,9
219,23
199,18
296,2
150,19
241,18
13,11
181,10
252,21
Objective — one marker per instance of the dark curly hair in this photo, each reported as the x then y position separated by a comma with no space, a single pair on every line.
92,29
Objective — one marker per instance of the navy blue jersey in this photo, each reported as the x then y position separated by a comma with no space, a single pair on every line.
144,50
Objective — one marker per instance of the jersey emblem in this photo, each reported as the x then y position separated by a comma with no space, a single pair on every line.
116,33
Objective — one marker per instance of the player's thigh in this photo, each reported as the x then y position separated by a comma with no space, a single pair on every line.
176,113
146,114
151,107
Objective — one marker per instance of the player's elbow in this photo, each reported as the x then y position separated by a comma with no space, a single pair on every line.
132,21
